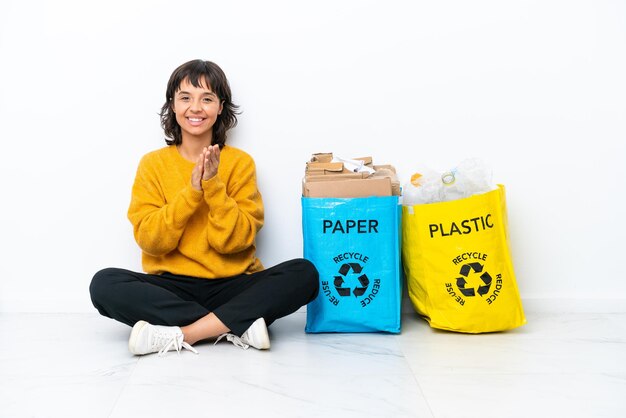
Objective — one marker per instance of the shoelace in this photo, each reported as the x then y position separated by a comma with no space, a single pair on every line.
233,339
177,342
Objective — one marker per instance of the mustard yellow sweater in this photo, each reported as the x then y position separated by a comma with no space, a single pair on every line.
209,233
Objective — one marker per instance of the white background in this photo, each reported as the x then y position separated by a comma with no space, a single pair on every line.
534,88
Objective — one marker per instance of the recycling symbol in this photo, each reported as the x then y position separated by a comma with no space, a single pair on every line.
340,281
477,268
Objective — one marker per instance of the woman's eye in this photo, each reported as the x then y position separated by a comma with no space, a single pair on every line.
207,100
183,98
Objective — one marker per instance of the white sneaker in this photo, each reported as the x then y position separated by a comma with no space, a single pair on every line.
256,336
146,338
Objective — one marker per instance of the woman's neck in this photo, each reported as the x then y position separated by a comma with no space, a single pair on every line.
192,147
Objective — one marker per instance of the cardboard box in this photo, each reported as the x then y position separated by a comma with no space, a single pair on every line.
389,171
323,168
317,168
373,186
322,157
325,178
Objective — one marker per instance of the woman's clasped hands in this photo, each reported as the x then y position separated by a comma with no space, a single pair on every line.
206,166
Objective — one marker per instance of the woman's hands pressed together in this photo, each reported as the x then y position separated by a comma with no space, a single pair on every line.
206,166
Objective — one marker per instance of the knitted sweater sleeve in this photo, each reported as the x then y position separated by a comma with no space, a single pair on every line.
158,224
236,210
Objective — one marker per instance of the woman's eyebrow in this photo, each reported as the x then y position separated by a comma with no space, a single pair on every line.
208,93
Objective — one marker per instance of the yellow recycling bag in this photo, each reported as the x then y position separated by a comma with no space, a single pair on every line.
458,265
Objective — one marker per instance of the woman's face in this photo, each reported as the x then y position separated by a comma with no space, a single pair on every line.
196,109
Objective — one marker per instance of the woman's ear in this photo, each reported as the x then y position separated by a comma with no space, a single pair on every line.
219,112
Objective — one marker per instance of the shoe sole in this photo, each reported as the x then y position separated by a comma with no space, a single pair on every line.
134,335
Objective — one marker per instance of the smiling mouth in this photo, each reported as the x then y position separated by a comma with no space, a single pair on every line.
195,121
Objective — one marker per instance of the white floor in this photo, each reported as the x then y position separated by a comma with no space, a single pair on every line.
558,365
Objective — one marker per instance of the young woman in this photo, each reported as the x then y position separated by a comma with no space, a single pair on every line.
196,211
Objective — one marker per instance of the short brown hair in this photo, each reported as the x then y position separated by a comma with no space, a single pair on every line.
198,72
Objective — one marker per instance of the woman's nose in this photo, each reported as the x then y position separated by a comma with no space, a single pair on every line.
196,106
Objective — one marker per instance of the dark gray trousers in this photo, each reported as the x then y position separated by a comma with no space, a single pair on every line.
238,301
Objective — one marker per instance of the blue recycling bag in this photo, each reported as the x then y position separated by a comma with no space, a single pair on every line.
355,245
